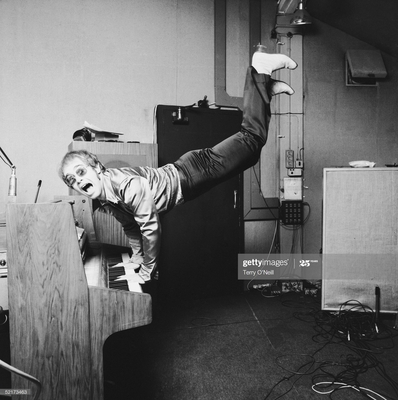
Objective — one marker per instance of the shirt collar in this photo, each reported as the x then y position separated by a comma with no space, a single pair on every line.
109,191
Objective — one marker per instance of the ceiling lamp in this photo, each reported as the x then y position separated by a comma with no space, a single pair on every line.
301,16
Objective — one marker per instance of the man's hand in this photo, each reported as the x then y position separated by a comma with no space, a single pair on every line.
130,263
130,266
129,272
131,277
136,259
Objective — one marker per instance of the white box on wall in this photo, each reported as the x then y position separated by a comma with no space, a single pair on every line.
293,188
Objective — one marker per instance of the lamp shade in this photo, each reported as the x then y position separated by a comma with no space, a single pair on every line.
301,16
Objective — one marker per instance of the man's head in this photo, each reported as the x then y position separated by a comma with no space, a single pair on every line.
82,171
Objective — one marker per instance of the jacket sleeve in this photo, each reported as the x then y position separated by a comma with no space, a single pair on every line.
137,196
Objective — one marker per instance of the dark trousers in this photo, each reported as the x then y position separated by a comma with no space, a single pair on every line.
200,170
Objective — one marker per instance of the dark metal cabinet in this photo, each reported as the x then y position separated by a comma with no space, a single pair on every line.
201,239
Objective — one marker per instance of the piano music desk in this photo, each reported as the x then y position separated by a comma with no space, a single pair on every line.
59,322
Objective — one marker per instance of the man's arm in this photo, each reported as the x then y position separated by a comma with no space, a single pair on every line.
138,198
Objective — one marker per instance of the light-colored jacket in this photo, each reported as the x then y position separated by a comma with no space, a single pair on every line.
135,197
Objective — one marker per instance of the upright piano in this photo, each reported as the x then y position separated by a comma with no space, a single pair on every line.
60,304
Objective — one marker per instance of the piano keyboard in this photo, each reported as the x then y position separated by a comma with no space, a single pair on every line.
115,272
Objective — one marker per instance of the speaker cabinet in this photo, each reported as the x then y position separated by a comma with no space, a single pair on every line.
360,237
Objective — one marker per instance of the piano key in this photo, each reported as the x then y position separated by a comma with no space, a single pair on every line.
113,260
125,257
122,277
116,272
120,285
130,276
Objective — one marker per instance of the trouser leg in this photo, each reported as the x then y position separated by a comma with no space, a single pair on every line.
256,105
200,170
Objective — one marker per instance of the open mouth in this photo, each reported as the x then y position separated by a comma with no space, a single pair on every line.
86,187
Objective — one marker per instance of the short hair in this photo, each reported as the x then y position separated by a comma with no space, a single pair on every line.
88,158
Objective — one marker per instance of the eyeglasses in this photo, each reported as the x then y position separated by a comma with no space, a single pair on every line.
70,179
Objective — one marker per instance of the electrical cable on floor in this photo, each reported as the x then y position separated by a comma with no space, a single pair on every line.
353,327
341,386
30,378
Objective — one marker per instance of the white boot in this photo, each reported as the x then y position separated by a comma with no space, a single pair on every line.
265,63
279,87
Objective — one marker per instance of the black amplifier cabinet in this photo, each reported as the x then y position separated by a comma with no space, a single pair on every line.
202,238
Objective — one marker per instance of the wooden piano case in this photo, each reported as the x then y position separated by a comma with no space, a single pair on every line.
58,323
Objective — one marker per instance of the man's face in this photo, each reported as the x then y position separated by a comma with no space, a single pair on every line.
85,179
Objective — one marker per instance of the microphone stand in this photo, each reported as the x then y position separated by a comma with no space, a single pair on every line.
12,187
